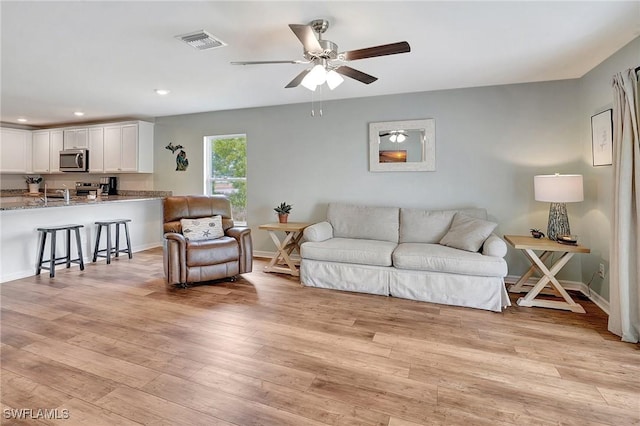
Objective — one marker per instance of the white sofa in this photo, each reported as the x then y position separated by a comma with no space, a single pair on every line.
397,252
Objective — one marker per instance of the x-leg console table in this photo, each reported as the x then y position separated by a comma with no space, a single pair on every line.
281,261
528,245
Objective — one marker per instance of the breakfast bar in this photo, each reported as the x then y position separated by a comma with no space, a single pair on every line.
21,215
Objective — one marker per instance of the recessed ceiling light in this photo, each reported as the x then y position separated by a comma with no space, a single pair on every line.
163,92
78,113
22,120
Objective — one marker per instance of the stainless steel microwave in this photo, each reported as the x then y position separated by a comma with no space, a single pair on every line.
74,160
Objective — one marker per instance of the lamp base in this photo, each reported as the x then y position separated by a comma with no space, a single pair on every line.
558,221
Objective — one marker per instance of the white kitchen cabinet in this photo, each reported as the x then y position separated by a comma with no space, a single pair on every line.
41,151
128,147
15,150
96,149
56,140
76,138
47,145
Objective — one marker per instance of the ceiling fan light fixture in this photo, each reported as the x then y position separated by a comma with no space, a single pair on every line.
334,79
309,83
401,138
318,74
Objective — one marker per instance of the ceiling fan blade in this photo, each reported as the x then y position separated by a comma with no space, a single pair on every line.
296,81
371,52
355,74
267,62
307,37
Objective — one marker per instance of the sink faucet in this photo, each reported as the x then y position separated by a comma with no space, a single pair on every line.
45,195
65,192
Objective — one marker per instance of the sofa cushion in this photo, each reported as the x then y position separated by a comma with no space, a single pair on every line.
349,250
467,233
429,226
438,258
204,228
365,222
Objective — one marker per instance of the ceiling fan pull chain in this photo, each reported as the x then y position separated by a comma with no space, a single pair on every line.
313,112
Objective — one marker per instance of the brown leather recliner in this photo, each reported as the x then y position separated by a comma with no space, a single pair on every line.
196,261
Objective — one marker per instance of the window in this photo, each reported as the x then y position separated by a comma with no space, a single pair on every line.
226,171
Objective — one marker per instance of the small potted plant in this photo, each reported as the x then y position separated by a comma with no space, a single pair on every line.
33,182
283,211
536,233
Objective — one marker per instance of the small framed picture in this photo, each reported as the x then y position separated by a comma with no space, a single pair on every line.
602,138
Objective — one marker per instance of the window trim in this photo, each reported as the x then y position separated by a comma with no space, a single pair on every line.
207,179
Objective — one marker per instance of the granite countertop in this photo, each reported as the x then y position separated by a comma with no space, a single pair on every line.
19,200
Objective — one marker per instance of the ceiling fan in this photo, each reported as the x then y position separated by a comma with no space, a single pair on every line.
327,61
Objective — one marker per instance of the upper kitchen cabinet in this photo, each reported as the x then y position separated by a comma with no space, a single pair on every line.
76,138
96,149
47,145
128,147
15,150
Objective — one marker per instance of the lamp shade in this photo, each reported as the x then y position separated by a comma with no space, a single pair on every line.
558,188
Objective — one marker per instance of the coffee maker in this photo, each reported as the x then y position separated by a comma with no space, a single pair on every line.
109,185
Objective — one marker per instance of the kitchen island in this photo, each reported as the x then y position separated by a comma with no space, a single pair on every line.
21,215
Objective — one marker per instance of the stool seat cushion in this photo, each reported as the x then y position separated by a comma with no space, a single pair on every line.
111,222
59,228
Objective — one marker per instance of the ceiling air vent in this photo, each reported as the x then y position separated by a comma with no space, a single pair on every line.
201,40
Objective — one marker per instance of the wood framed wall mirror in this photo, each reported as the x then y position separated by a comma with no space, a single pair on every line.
402,146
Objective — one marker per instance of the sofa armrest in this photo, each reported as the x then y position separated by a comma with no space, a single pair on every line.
245,243
174,256
494,246
320,231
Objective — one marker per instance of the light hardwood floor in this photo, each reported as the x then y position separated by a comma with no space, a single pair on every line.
114,346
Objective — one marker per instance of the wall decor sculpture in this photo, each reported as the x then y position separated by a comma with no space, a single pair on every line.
182,162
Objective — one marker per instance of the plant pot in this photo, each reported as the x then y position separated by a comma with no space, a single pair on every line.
34,188
283,218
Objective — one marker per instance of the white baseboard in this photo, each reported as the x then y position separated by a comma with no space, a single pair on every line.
87,260
269,254
600,301
569,285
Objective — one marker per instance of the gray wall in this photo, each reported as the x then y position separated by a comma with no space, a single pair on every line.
596,95
490,142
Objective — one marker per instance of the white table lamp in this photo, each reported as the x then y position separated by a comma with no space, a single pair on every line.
558,189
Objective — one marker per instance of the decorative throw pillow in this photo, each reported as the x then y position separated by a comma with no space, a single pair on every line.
467,233
204,228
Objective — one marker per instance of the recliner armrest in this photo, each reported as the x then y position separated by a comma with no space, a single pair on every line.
494,246
175,261
176,237
320,231
243,236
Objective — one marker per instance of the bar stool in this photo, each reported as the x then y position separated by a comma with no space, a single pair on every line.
111,249
53,260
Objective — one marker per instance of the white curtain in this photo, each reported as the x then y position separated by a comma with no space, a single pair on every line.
624,319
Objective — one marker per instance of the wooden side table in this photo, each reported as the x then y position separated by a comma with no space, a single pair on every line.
548,247
281,261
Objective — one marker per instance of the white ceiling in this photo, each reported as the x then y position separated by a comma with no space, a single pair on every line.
106,58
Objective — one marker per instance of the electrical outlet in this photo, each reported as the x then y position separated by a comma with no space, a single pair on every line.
601,270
